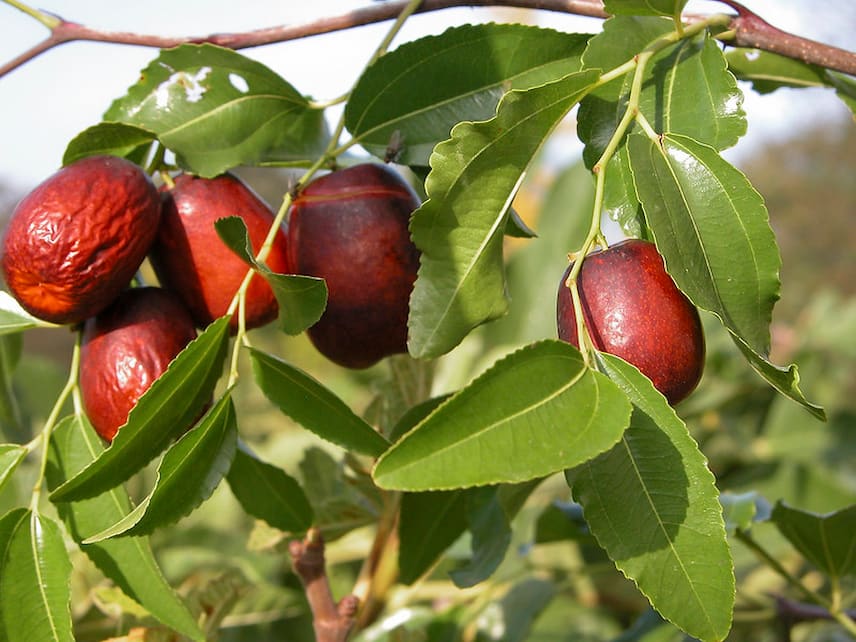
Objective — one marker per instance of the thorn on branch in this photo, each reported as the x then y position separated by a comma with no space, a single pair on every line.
332,621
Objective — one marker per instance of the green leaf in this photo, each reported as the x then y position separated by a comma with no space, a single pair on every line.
128,561
687,88
825,540
187,476
430,522
268,493
114,139
533,413
217,109
491,535
313,406
785,380
12,420
653,505
459,230
10,456
416,93
9,524
301,299
172,403
336,498
14,319
713,231
645,7
561,521
768,71
34,583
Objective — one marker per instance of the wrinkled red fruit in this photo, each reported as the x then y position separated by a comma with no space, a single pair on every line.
125,348
190,258
633,310
75,242
350,227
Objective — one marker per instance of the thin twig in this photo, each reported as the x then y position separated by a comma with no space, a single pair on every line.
332,622
748,29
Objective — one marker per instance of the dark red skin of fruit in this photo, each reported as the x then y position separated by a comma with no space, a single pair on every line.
190,258
350,227
125,348
75,242
634,310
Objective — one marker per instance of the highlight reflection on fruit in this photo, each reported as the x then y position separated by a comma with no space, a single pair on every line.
75,242
350,227
633,309
125,348
190,258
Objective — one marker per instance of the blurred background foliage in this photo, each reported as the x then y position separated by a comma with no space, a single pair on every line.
555,583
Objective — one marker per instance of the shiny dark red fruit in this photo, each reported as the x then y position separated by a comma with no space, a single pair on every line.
350,227
191,259
125,348
76,241
633,309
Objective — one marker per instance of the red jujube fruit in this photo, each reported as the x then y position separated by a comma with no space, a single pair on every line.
76,241
190,258
633,309
350,227
125,348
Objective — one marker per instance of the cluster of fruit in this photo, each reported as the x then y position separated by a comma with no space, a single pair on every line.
74,244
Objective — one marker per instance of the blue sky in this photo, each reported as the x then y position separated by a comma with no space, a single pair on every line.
49,100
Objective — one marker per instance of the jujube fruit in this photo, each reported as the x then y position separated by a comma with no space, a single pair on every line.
75,242
633,309
191,259
125,348
350,227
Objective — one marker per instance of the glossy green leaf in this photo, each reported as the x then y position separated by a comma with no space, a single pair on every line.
827,541
768,71
491,535
268,493
13,318
713,231
412,96
129,561
845,87
34,579
114,139
172,403
10,456
313,406
653,505
533,413
459,230
187,476
516,227
301,299
217,109
644,7
620,202
785,380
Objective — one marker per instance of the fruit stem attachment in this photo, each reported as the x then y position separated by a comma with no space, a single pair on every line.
50,423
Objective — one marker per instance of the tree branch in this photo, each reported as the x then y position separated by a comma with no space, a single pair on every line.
748,29
332,621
